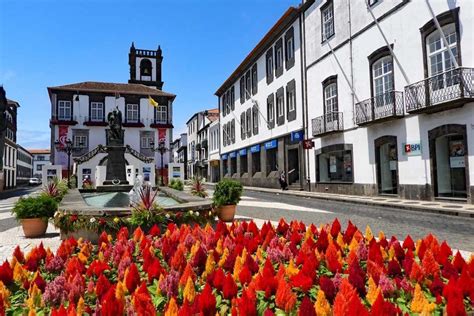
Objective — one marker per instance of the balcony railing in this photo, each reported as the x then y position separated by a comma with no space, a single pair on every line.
380,108
328,123
64,120
440,92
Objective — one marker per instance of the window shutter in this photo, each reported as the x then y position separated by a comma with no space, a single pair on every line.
242,126
232,98
254,79
269,56
242,90
248,115
233,131
255,119
279,70
291,87
271,106
280,118
289,62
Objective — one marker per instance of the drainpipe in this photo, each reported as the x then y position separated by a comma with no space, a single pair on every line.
351,58
304,94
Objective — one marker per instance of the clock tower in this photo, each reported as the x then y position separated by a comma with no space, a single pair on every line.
145,66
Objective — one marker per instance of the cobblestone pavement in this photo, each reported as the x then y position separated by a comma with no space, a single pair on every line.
458,232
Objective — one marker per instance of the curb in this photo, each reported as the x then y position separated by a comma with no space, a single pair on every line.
449,209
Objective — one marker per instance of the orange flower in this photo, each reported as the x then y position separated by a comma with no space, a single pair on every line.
285,298
322,306
373,291
420,303
343,298
430,266
189,293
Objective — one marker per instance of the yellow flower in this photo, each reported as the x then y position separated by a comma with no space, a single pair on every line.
238,265
420,303
19,274
120,291
223,258
189,292
292,270
116,220
4,294
381,235
34,297
322,306
172,309
391,253
373,291
210,265
32,312
259,254
340,241
219,246
368,233
354,245
80,310
195,248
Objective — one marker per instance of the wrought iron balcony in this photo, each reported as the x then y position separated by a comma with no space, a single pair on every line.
444,91
328,123
380,108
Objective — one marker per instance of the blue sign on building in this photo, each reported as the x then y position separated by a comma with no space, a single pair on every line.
255,148
243,152
297,136
271,144
233,154
224,157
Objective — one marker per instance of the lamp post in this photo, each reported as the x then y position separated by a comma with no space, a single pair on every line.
67,147
161,149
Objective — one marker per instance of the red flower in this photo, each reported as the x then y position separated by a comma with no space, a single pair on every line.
229,289
245,275
103,238
142,301
282,227
394,269
327,286
110,305
40,283
154,231
374,252
335,228
73,218
322,242
306,308
266,281
61,311
430,266
357,278
454,297
408,243
217,278
18,254
132,279
246,304
302,281
459,262
382,307
207,301
332,259
350,231
154,270
6,273
97,268
103,285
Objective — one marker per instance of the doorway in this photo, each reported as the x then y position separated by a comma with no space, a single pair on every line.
293,166
386,159
448,149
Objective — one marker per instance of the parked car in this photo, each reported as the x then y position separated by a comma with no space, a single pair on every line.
35,181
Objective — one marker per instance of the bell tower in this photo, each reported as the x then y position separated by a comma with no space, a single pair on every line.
145,66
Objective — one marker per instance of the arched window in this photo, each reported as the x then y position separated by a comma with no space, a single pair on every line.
145,67
330,98
382,76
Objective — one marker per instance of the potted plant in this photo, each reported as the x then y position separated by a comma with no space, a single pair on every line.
145,211
198,188
33,213
226,197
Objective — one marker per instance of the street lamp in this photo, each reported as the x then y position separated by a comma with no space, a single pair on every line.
67,147
161,149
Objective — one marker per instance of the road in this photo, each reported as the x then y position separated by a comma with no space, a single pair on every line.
457,231
7,200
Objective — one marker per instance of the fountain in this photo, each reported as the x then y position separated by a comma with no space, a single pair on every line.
115,179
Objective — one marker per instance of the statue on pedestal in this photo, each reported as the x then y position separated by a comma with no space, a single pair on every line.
115,135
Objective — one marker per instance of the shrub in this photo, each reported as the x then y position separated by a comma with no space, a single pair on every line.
176,184
41,206
198,188
55,189
227,192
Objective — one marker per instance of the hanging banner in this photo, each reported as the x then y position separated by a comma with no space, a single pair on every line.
308,144
62,138
161,135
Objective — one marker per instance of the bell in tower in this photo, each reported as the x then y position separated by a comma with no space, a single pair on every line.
145,66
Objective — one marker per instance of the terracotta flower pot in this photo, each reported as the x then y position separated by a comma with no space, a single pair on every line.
226,213
34,227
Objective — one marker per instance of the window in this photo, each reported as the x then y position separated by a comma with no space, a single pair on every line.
372,2
280,105
334,164
232,98
233,165
290,99
256,166
39,167
270,112
330,99
269,65
97,111
64,110
244,165
248,85
279,58
327,21
382,76
145,142
248,123
439,58
132,113
232,130
272,162
80,141
242,89
225,167
145,69
161,114
254,80
243,131
255,119
289,49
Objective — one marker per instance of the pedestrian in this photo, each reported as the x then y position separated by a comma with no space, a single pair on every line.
282,180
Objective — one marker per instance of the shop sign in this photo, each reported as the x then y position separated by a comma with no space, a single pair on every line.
297,136
255,149
456,154
224,157
271,144
308,144
412,149
243,152
233,154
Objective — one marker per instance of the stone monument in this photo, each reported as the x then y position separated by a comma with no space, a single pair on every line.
115,168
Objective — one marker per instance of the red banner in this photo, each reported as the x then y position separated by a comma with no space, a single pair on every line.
161,135
62,135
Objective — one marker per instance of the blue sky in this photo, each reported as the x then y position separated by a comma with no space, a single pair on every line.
53,42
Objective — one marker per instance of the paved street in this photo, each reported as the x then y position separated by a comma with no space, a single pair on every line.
457,231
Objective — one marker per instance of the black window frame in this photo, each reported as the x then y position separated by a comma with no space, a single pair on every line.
289,62
255,120
272,164
248,84
345,149
279,68
254,79
243,131
242,89
291,87
244,163
280,118
248,123
256,167
271,104
269,71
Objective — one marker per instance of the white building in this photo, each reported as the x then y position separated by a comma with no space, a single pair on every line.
24,166
214,155
79,113
41,157
10,147
261,110
393,117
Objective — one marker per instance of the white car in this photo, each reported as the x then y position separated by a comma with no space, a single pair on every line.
35,181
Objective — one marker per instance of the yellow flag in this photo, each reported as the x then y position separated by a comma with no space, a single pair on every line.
152,102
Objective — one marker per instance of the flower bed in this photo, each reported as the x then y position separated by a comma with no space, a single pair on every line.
242,270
